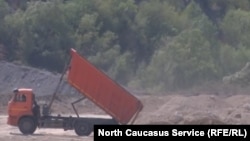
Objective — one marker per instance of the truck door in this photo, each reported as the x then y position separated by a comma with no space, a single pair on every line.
20,104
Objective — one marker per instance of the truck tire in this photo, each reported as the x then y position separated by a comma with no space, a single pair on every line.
83,128
27,125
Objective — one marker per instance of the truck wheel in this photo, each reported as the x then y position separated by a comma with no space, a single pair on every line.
27,125
83,128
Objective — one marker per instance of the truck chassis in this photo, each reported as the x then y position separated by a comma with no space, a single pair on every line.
83,126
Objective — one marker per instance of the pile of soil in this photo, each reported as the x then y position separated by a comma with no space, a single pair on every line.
199,109
41,81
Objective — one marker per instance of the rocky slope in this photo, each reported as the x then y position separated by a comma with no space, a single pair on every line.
42,82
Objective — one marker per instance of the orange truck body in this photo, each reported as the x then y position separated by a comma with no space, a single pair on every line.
102,90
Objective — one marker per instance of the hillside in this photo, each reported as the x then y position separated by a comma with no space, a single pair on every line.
157,45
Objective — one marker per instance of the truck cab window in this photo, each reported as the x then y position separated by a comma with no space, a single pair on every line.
20,98
23,98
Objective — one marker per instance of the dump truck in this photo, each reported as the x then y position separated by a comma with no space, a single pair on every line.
92,83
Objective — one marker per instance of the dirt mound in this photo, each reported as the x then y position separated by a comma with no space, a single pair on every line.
201,109
42,82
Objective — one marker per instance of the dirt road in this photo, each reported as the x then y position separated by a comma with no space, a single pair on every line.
8,133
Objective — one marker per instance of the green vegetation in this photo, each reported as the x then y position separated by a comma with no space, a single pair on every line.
156,45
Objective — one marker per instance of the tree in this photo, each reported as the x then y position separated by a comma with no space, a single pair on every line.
12,24
45,38
154,20
4,10
183,62
235,26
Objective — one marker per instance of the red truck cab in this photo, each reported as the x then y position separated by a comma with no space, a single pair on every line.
20,109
